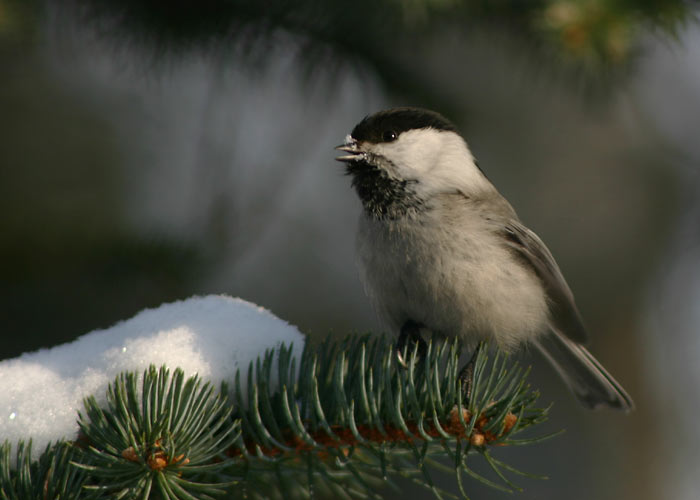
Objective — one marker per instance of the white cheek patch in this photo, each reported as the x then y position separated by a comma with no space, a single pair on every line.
439,160
413,153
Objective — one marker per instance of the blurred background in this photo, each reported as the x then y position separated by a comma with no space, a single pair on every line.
150,151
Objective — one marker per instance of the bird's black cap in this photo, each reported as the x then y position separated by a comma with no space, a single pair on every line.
386,125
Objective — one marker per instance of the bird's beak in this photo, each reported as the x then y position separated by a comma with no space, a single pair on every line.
350,146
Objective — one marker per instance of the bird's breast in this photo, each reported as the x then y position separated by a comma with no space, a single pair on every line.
452,274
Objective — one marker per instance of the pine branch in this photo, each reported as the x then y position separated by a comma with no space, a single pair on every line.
344,420
586,37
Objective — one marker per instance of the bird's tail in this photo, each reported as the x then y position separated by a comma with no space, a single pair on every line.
592,385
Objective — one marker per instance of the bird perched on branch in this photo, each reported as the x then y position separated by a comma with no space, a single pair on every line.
440,249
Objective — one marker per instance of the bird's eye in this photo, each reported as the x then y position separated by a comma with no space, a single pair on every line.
389,136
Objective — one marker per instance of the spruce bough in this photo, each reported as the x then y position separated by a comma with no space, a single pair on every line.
344,420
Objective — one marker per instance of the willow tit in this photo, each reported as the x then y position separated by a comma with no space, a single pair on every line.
440,249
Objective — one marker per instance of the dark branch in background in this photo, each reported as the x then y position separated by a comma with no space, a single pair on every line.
586,38
349,424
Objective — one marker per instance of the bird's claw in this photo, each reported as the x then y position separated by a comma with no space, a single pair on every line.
410,334
466,375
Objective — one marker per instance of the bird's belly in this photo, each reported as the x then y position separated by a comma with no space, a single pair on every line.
453,286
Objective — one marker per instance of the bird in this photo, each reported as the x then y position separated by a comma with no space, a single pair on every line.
440,249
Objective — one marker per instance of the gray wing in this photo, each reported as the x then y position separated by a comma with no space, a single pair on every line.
564,314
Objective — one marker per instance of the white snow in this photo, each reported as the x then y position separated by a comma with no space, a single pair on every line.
41,392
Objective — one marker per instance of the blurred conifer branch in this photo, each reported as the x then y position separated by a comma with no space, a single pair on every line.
352,420
585,34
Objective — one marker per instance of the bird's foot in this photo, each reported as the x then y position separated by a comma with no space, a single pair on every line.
410,334
466,375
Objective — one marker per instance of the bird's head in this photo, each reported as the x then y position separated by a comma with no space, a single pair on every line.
401,158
